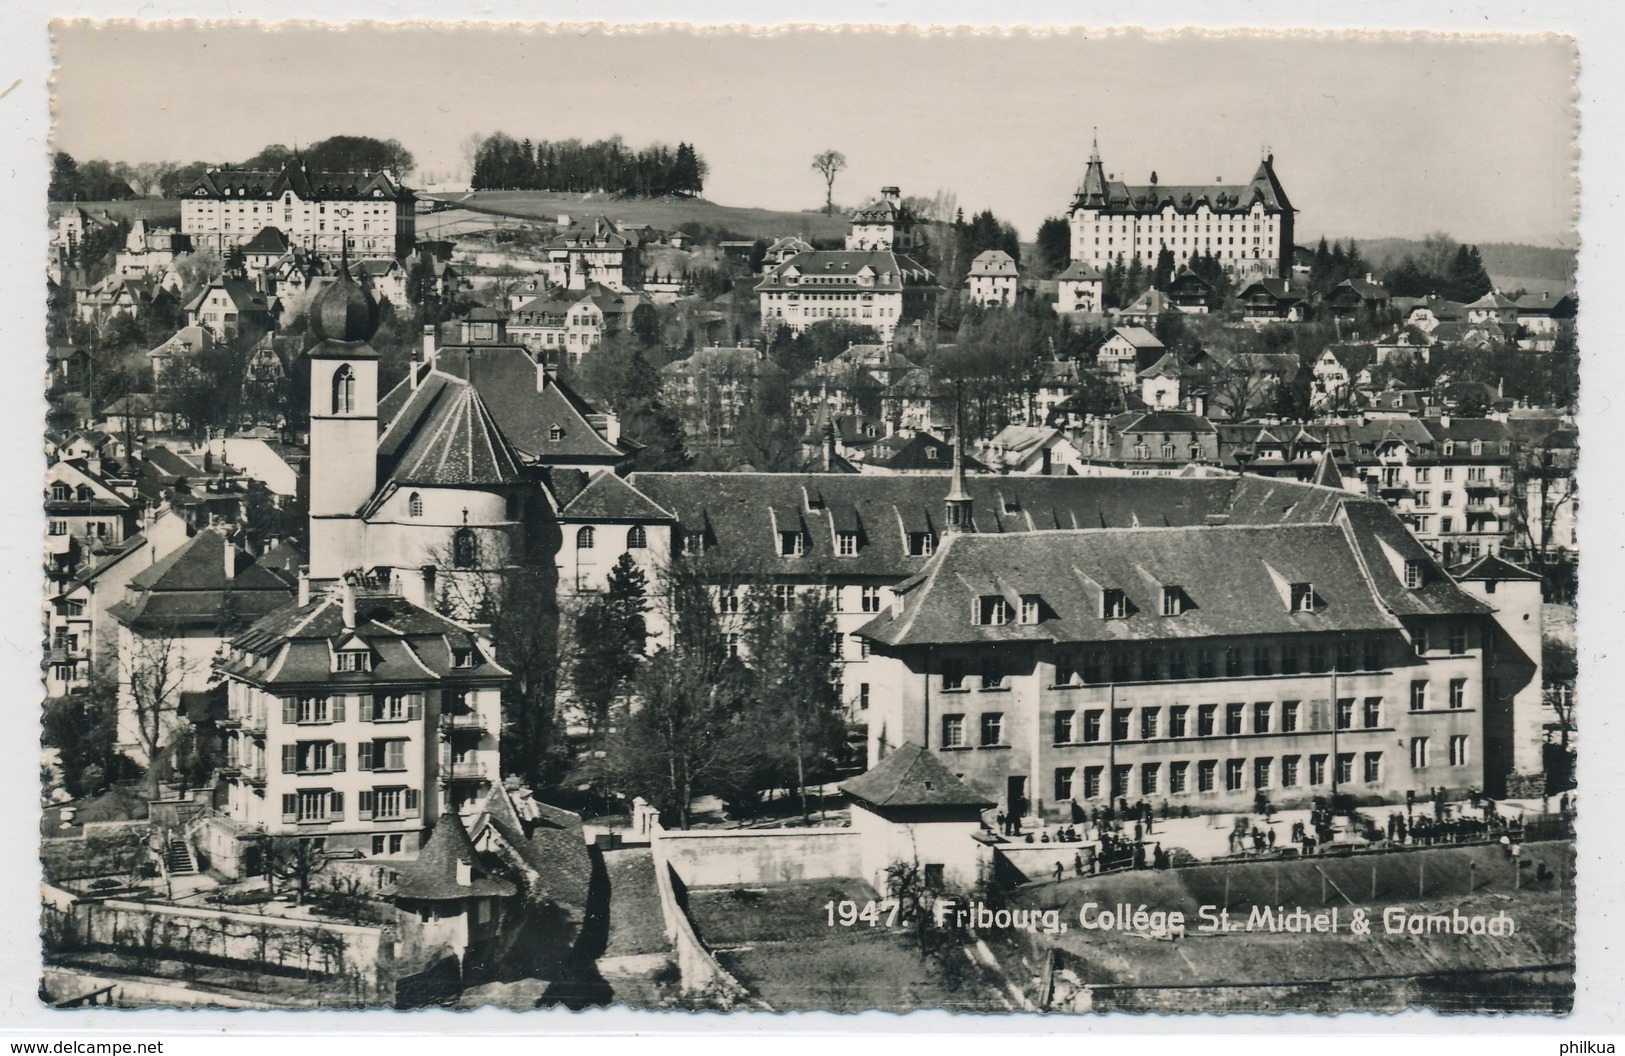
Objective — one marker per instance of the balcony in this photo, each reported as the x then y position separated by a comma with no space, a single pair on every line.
471,770
1394,487
462,722
1484,485
247,722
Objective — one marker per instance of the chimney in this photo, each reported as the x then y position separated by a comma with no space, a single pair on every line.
465,873
231,557
304,585
1444,421
829,448
347,597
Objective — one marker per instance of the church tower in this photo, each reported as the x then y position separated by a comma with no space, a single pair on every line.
343,423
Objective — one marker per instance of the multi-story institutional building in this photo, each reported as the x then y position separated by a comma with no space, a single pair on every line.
328,211
357,718
1205,665
867,283
1247,227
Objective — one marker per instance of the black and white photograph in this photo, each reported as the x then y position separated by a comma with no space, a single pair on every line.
548,517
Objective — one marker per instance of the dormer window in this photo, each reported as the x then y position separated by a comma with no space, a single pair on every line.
1303,597
1173,601
1415,570
693,543
846,544
992,610
792,544
931,454
464,657
352,660
1030,608
1449,448
555,433
1113,604
922,544
1478,448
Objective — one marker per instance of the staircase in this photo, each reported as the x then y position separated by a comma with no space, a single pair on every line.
178,859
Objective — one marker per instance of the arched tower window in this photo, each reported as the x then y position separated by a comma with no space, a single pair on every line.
637,538
584,538
464,549
414,505
344,390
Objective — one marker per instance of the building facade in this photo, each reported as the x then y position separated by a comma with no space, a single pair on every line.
369,212
1247,227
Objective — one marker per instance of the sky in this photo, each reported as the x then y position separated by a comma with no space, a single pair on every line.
1373,136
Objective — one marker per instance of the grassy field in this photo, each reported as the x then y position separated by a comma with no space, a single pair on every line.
164,212
660,213
1429,881
777,941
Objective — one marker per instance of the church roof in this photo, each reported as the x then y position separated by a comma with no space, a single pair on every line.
454,443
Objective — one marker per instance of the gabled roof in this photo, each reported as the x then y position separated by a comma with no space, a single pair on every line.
993,262
1138,336
1161,422
268,240
1492,567
1168,366
910,776
433,876
837,268
915,453
244,297
1326,472
189,588
609,498
1080,271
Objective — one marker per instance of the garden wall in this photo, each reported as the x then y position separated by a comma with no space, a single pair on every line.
759,856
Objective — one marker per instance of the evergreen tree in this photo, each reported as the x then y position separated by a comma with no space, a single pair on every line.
64,186
610,636
1164,273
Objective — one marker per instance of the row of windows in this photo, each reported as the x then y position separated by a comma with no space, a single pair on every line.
328,757
322,804
794,544
637,538
381,707
1156,663
731,601
1238,718
1265,773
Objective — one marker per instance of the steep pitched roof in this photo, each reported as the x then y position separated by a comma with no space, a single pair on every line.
1080,271
1326,472
189,588
1137,336
922,451
433,876
910,776
993,262
268,240
609,498
455,443
1492,567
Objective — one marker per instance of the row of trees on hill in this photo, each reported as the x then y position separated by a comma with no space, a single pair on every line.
99,179
1442,266
606,166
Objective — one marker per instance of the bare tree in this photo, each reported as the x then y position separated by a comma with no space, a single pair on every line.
827,165
152,672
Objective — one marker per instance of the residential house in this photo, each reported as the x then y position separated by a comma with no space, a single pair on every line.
230,307
1030,449
567,324
993,279
1493,307
884,225
1146,309
358,717
713,386
917,452
1271,300
1546,321
1149,443
267,247
1080,288
594,253
875,288
184,345
1126,351
174,617
83,511
1191,294
1357,300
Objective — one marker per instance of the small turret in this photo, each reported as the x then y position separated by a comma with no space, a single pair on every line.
958,504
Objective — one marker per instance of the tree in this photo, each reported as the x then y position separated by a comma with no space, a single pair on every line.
294,860
827,164
64,186
1054,246
796,683
610,635
684,733
83,729
153,670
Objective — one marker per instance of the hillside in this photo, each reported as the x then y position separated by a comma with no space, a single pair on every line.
164,212
1511,265
664,214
